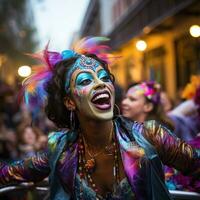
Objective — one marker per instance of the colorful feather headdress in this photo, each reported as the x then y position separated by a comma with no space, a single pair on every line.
33,87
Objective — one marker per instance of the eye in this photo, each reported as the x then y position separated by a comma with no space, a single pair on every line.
105,78
132,99
85,82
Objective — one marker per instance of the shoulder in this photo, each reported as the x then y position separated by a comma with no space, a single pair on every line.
124,123
128,126
153,127
121,120
54,139
151,124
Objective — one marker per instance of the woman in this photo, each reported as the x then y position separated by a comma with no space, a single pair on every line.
143,102
30,140
95,156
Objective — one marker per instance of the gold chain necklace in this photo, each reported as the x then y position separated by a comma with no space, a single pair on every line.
91,163
85,173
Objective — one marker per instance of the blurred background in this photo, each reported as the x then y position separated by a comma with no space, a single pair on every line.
157,40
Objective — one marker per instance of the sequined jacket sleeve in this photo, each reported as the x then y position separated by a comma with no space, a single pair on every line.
172,151
32,169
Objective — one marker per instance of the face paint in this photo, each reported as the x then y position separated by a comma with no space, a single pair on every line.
81,63
93,92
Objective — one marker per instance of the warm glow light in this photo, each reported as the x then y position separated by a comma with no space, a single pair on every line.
24,71
195,30
141,45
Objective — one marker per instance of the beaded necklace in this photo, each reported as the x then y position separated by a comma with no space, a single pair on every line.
86,173
91,163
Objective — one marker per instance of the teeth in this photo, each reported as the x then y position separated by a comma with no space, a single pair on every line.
101,96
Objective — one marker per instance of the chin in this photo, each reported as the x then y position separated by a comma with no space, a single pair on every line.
126,115
104,116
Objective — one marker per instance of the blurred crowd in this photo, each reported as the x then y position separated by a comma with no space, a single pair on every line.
21,136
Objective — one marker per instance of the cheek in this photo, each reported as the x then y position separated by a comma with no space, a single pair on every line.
81,93
111,87
131,105
134,105
125,101
76,94
84,91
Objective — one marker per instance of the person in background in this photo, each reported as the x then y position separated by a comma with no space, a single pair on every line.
186,115
190,110
142,102
95,155
166,102
30,140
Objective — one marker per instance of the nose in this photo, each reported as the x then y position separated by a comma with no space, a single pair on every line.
99,83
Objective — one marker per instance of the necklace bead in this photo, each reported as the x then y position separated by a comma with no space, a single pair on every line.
86,168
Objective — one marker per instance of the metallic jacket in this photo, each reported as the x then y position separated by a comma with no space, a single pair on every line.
144,148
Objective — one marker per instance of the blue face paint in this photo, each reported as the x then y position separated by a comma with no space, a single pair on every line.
84,78
85,84
103,75
81,63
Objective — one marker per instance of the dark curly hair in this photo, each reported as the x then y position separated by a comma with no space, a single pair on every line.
55,109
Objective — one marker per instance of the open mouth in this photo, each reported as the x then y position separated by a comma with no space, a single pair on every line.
102,100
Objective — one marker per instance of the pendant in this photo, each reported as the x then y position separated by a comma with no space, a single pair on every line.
110,150
90,165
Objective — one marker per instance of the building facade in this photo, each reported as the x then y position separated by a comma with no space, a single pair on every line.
172,55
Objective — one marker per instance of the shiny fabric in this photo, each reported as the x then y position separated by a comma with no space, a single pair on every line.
143,147
33,169
175,180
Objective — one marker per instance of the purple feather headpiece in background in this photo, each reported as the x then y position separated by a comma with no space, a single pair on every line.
150,89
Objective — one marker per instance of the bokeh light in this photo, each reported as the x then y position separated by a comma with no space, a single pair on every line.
195,30
24,71
141,45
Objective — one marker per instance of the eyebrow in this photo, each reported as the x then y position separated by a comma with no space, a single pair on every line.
85,72
102,69
96,71
82,72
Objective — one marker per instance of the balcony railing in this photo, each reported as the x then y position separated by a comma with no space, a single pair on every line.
44,189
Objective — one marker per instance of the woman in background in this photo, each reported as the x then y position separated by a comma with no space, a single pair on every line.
143,102
30,140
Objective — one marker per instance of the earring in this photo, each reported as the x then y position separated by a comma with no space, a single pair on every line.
72,120
116,110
